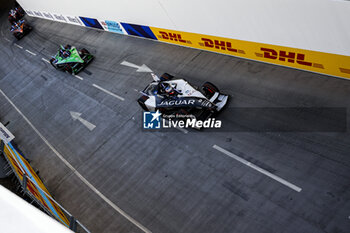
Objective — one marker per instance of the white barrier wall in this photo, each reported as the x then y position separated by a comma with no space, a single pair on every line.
319,25
316,25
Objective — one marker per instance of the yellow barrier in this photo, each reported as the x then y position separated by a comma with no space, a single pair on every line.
325,63
34,185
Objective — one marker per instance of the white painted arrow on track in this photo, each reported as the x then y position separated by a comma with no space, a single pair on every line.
76,116
142,68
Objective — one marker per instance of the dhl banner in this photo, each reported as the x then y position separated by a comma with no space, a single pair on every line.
319,62
325,63
21,166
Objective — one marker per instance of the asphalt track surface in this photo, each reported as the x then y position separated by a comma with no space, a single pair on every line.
170,181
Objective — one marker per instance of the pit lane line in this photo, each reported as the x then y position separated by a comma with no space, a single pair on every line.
45,60
85,181
108,92
263,171
30,52
18,46
78,77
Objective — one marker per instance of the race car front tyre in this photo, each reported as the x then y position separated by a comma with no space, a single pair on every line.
18,35
209,89
27,28
166,77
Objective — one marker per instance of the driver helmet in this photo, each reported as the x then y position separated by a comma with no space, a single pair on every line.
169,89
65,53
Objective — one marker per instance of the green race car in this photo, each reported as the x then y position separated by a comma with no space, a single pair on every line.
70,59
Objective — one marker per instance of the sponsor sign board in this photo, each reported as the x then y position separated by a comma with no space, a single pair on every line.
319,62
34,185
29,12
73,20
38,14
139,30
112,26
315,61
59,17
5,134
47,15
90,22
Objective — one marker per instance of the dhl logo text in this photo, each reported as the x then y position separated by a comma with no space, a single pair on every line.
173,37
291,57
220,44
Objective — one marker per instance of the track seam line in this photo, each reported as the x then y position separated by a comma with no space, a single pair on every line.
263,171
114,206
108,92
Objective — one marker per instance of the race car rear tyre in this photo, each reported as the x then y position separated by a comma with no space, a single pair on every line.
51,62
142,101
166,77
84,51
68,69
11,20
209,89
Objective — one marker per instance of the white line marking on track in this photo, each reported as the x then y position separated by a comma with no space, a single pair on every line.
87,124
263,171
185,131
108,92
115,207
45,60
30,52
78,77
7,39
18,46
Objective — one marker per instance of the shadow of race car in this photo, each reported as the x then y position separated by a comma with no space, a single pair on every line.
20,29
172,96
15,14
70,59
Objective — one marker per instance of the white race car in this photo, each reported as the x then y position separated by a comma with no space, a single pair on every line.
171,95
